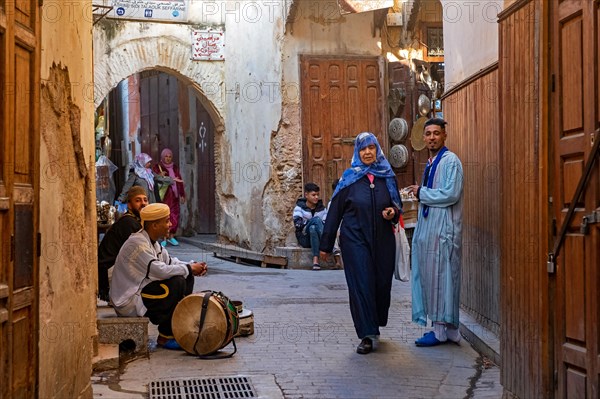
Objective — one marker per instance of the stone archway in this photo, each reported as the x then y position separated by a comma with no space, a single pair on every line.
115,63
118,60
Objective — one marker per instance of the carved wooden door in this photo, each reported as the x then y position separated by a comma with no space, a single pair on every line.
19,190
341,97
576,116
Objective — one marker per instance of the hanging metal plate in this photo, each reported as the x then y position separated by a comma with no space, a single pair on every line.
398,130
416,135
424,105
398,156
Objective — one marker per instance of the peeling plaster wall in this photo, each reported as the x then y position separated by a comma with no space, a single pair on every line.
256,92
474,23
67,307
242,94
253,111
314,28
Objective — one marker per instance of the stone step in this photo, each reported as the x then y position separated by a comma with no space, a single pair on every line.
129,333
107,357
300,258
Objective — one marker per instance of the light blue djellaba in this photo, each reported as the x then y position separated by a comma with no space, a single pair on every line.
436,246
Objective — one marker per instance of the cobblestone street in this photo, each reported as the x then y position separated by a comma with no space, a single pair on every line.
304,344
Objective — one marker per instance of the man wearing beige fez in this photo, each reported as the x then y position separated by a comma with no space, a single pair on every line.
146,281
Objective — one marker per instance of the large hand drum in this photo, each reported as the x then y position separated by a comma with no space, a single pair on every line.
219,325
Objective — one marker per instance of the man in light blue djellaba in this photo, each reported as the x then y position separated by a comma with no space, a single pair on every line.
437,240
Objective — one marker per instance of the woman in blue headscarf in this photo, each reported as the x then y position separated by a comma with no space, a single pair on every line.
368,201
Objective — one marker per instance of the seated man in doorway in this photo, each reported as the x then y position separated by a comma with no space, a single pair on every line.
116,236
309,215
146,281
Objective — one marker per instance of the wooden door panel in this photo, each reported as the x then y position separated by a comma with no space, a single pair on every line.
19,188
572,75
145,114
159,114
576,381
575,289
572,170
23,349
23,138
25,13
576,110
341,97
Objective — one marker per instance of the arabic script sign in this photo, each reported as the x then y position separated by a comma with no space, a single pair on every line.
208,45
150,10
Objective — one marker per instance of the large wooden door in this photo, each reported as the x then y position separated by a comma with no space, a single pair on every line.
19,188
340,99
576,110
159,113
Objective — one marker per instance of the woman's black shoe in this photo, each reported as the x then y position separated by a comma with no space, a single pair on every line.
365,346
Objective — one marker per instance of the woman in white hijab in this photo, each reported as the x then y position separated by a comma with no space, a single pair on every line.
141,175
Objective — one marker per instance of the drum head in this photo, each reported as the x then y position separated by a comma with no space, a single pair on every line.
186,319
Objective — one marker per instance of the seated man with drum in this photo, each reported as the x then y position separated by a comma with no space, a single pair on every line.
146,281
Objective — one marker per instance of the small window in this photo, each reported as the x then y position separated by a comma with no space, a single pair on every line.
435,42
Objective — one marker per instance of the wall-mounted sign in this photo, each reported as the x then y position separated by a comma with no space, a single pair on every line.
150,10
208,45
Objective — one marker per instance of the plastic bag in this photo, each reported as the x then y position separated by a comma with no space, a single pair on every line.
105,184
121,207
402,270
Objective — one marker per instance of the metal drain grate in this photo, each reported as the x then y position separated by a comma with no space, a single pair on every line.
202,388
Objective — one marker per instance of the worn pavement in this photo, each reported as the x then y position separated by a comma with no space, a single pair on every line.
304,344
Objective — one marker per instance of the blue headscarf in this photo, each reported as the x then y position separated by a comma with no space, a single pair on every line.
380,168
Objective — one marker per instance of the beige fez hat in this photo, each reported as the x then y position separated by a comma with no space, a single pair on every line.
154,211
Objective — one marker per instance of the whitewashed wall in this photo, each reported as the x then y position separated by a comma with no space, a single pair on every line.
473,23
252,112
255,95
243,94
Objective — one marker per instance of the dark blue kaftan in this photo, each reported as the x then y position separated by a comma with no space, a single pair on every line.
368,249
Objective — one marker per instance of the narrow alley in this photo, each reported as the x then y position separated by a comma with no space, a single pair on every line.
304,343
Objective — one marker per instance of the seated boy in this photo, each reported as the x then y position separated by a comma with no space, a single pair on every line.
309,215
